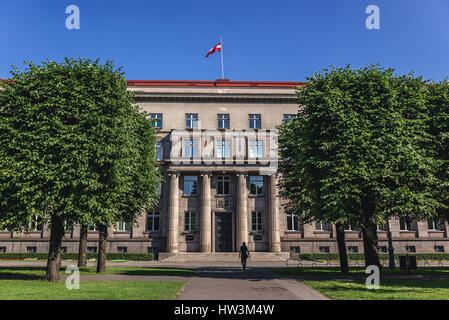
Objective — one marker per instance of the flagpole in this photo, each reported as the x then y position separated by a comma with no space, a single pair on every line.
221,52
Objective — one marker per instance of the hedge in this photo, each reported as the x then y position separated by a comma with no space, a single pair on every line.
74,256
360,256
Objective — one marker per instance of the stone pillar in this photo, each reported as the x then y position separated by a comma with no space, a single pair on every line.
173,214
205,224
273,218
242,211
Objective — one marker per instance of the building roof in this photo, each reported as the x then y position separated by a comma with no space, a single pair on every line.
216,83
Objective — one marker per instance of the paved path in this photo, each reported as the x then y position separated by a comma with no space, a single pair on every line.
255,283
213,280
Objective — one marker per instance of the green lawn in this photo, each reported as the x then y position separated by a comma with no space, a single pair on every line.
91,290
389,289
143,271
331,271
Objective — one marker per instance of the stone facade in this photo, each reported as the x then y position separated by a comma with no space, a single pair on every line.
217,142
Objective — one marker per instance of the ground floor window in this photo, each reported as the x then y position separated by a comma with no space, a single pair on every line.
407,224
122,249
123,226
322,226
257,221
2,249
153,221
292,222
31,249
189,221
92,249
435,225
223,183
439,248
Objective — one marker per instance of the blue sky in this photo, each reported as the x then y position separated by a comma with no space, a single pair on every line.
275,40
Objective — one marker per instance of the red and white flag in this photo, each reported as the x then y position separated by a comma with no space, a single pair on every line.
217,48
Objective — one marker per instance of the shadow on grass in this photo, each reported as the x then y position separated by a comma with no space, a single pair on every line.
31,273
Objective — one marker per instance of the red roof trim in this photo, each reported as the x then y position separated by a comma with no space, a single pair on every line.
217,83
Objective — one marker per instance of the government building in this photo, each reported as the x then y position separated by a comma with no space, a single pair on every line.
218,154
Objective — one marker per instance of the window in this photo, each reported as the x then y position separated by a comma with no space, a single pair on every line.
31,249
407,224
189,221
257,237
382,249
439,248
190,185
122,249
124,226
159,154
322,226
223,185
190,148
295,249
257,221
254,121
292,222
152,249
382,227
157,118
410,249
191,120
2,249
353,249
68,227
190,237
92,249
434,225
63,249
223,121
350,227
36,224
256,149
324,249
288,117
153,221
256,185
91,227
223,149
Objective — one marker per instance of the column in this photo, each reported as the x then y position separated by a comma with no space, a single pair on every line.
273,219
242,211
173,214
205,224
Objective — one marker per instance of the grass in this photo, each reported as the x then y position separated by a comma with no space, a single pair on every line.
40,271
389,289
91,290
335,271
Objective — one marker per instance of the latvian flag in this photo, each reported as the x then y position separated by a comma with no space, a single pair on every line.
217,48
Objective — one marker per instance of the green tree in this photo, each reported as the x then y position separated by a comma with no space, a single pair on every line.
64,147
139,179
438,104
356,151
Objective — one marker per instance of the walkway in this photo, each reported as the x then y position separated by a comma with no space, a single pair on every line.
213,281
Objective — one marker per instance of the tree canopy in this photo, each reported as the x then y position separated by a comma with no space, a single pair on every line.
356,151
73,145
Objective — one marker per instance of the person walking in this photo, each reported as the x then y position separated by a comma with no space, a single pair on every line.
244,254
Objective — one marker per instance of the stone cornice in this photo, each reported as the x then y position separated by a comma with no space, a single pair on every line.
229,97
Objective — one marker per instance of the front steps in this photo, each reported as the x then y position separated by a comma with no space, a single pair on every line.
222,256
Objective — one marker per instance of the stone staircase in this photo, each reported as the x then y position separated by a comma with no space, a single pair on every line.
222,257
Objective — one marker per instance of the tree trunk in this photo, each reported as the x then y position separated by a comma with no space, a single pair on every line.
82,260
54,252
101,261
369,232
344,266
